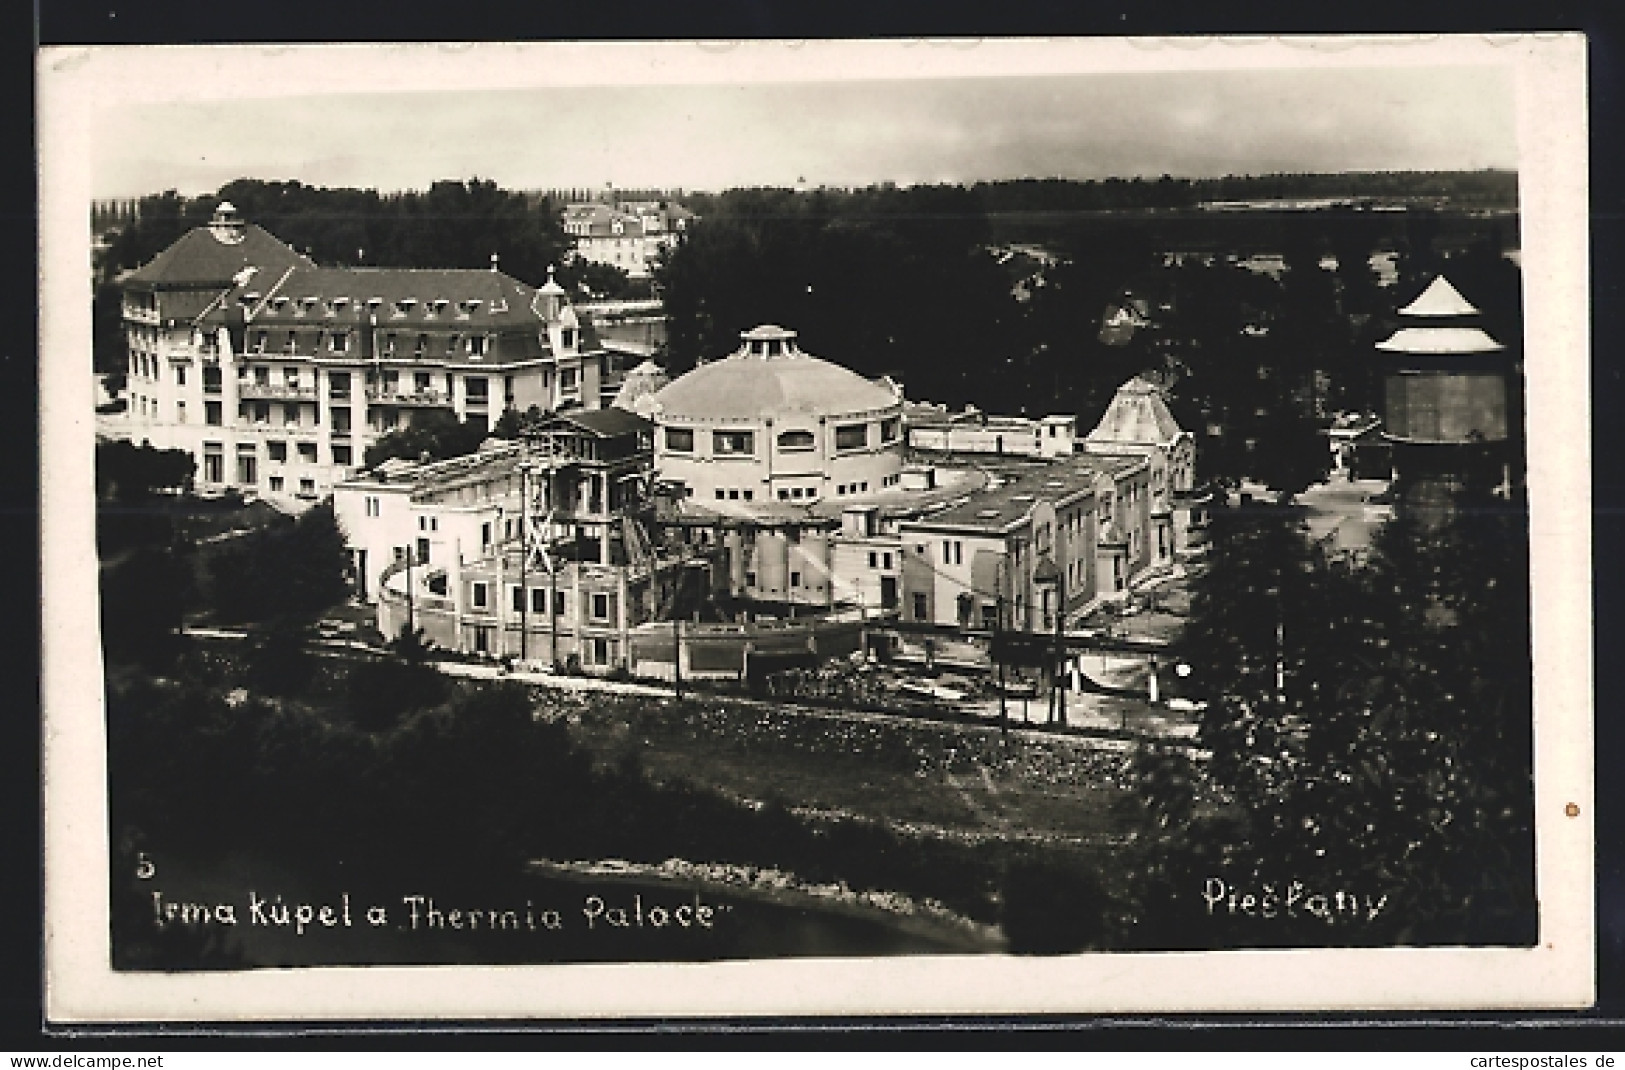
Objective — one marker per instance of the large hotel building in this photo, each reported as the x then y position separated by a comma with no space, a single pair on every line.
277,374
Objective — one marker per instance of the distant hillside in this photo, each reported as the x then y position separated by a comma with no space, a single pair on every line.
1464,190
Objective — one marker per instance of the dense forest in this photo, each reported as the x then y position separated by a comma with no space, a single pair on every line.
1489,189
1369,726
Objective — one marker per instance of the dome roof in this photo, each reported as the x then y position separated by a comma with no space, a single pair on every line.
749,386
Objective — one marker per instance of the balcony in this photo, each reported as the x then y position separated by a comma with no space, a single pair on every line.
141,315
340,432
390,395
275,391
267,427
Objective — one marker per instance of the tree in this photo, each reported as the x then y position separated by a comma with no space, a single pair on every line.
291,569
1289,452
514,424
131,474
601,281
279,661
435,434
1369,732
110,353
883,281
144,597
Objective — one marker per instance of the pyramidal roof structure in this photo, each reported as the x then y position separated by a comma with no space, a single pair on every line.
639,388
1436,323
1138,415
1440,299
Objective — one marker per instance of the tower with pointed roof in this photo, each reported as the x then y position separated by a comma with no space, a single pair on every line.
1448,405
1138,423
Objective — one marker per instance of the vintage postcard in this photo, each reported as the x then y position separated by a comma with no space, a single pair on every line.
542,531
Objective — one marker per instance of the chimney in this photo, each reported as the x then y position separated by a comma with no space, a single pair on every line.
493,261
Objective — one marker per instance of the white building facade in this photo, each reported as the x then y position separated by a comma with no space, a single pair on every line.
277,375
771,423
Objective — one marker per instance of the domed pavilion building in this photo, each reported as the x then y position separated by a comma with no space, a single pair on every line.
771,423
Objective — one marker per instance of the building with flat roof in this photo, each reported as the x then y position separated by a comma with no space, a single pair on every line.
934,429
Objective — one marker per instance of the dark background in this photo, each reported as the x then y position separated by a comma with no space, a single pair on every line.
208,21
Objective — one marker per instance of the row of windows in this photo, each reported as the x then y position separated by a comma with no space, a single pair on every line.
880,559
277,452
259,374
259,412
475,345
600,651
144,365
734,494
334,305
601,606
727,443
214,471
852,488
750,579
278,485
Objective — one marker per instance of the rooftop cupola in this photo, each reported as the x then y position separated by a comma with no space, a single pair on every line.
227,226
769,342
550,297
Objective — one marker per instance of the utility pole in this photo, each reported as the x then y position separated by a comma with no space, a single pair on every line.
411,620
524,555
998,655
1060,644
552,565
677,634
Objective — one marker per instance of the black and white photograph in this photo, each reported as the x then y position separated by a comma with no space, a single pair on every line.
815,527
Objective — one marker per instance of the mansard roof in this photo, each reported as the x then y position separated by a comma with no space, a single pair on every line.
201,260
399,297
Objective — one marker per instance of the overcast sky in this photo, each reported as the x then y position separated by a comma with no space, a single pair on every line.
1194,123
